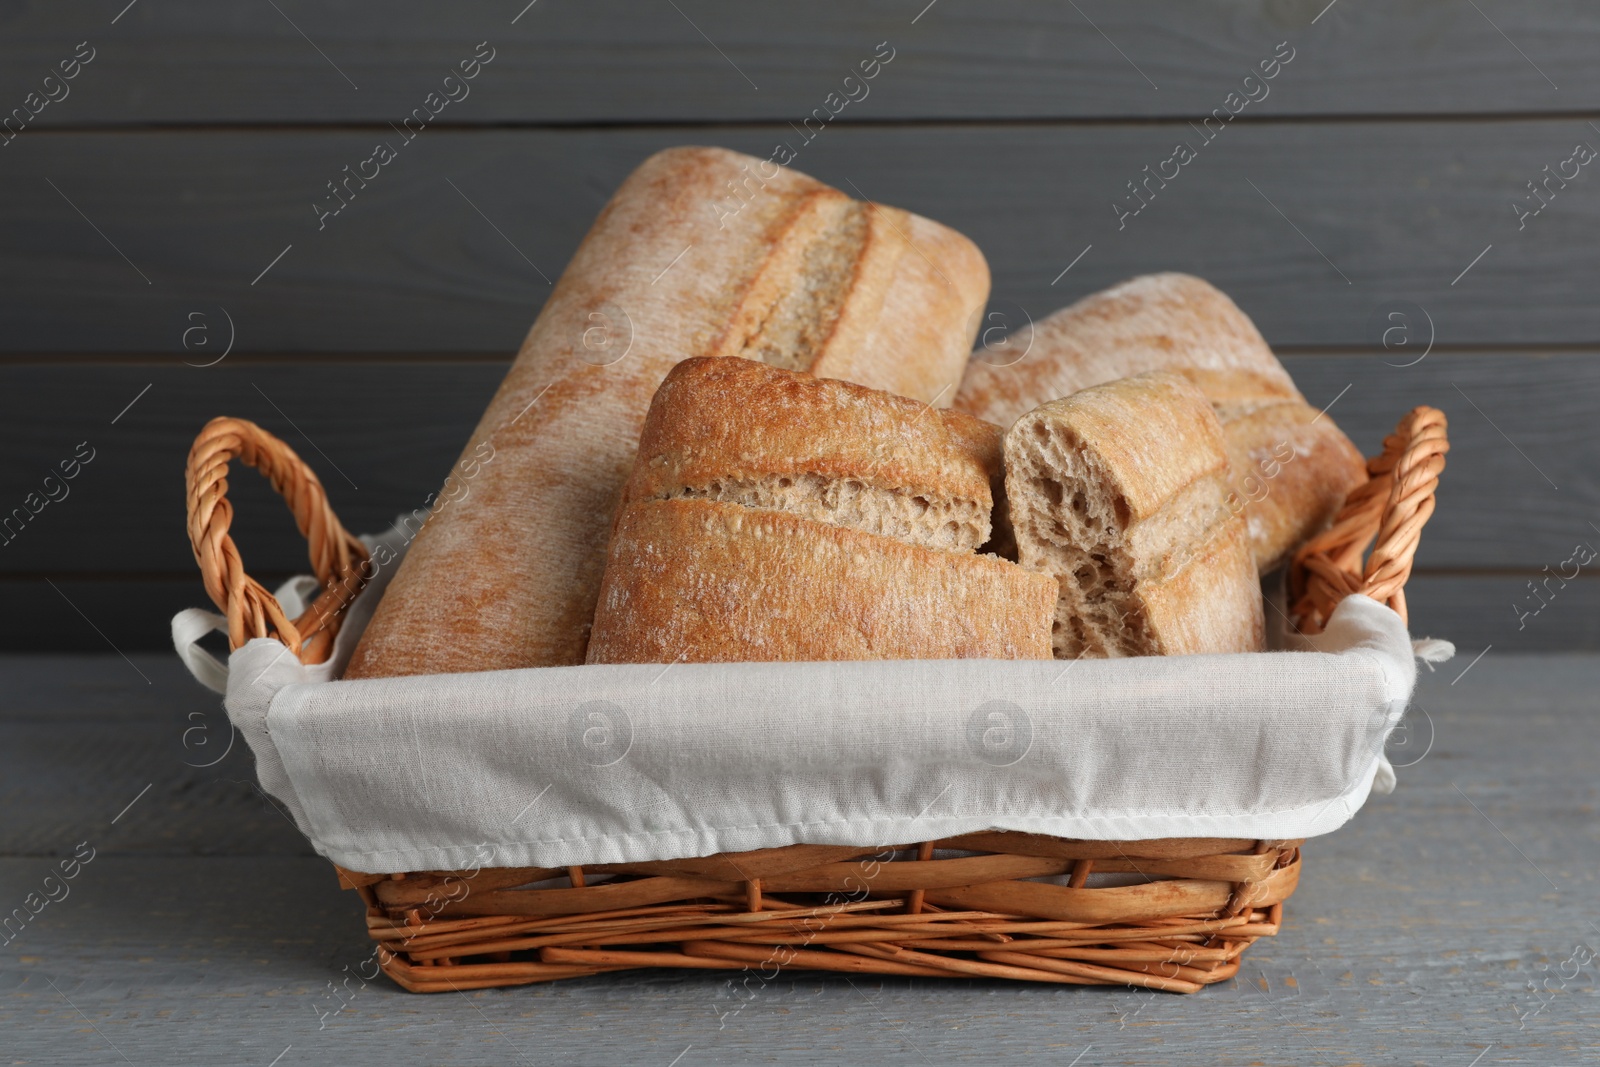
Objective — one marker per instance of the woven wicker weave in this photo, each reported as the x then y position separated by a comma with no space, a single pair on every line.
964,906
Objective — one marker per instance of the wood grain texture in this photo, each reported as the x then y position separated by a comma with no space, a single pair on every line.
393,447
1399,209
1413,938
133,723
616,62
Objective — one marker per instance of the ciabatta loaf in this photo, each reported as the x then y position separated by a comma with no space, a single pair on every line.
773,515
1120,492
701,252
827,450
1181,323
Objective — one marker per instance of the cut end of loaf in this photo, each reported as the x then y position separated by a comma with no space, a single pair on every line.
1072,521
1119,492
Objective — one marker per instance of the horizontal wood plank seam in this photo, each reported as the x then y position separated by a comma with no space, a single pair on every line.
628,125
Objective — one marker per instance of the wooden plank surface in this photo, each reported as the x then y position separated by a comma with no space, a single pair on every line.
1414,938
392,429
702,61
1316,229
83,737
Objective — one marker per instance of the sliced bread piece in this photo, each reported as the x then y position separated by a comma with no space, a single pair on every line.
702,581
747,433
1120,492
773,515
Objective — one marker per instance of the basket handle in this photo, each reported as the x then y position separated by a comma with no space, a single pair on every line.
1392,505
336,556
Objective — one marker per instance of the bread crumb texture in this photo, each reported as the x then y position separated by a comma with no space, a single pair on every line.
1119,492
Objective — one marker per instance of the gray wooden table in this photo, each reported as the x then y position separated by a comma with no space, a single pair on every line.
1451,923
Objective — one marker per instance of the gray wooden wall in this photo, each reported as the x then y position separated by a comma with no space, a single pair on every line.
160,210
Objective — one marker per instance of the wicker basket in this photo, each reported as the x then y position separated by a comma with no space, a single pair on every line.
910,909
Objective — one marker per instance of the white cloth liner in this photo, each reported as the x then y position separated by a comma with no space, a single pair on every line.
558,766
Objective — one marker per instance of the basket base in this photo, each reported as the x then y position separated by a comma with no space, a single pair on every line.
1172,915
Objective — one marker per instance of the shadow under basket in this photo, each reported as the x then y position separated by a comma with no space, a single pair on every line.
1173,914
